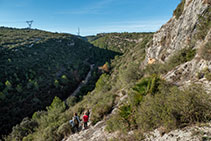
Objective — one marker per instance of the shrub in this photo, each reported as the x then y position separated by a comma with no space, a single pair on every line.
102,84
206,51
208,76
180,57
28,138
169,107
123,120
156,68
23,129
204,73
125,111
175,109
115,123
179,10
130,74
190,105
64,130
102,108
71,101
204,24
148,85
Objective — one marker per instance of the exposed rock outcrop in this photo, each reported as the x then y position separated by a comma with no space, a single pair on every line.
177,34
194,133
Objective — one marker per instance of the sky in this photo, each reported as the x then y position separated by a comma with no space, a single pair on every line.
91,16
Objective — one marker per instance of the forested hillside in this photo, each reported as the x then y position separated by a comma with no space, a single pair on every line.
119,42
52,124
156,83
36,66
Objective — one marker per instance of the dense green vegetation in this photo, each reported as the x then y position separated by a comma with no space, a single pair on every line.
150,99
101,100
166,106
179,10
36,66
119,42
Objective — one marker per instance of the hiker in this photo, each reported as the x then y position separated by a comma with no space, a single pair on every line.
88,113
76,122
85,120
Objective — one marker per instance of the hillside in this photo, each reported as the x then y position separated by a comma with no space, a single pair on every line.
157,89
36,66
118,42
169,99
50,122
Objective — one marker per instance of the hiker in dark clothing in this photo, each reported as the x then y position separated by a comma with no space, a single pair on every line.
88,113
76,123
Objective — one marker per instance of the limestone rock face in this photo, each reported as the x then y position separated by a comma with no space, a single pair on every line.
177,34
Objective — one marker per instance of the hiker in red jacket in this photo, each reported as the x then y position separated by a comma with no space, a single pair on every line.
85,120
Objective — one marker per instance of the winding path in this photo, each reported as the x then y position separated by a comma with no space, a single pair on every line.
84,82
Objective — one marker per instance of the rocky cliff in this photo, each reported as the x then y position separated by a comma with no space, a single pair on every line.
184,31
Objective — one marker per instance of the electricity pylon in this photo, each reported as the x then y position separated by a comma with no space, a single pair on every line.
29,23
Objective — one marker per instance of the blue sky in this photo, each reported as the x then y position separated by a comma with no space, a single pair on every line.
92,16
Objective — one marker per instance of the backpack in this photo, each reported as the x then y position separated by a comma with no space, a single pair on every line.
75,120
71,123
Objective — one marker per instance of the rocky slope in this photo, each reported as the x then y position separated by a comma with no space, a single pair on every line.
181,33
178,33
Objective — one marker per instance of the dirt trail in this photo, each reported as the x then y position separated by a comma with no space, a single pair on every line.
84,82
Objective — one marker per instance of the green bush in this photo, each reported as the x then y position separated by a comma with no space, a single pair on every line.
180,57
204,24
71,101
64,130
44,125
115,123
168,107
175,109
102,83
130,74
103,107
147,85
208,76
26,127
125,111
206,51
179,10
